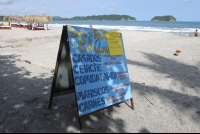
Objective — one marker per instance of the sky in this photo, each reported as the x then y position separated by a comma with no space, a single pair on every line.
142,10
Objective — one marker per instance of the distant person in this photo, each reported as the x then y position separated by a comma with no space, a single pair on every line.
90,26
196,33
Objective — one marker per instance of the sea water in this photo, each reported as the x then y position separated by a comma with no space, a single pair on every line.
176,27
181,28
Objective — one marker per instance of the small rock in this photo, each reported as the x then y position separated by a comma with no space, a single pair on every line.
175,54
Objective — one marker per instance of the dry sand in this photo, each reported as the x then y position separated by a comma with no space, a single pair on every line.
165,88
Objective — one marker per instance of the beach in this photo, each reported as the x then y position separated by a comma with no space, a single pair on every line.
165,88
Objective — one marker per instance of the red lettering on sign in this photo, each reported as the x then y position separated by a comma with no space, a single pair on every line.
121,94
118,62
113,58
108,63
111,88
109,98
119,89
124,85
106,55
122,72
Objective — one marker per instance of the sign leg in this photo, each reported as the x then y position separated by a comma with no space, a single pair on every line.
80,124
79,117
132,105
50,101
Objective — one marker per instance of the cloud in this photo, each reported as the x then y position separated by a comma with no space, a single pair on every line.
186,0
6,2
112,9
42,2
16,10
103,6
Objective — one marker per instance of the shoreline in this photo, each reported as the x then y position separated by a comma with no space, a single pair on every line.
147,26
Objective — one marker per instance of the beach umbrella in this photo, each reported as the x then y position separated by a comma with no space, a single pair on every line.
37,19
5,18
47,19
27,19
18,18
41,19
44,19
11,18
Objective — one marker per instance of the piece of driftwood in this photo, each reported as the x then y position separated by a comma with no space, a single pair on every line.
26,61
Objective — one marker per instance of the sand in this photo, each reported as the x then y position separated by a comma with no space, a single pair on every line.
165,88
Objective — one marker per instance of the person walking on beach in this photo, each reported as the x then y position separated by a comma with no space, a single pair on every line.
90,26
196,33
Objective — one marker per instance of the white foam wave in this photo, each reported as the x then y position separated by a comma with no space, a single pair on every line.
134,28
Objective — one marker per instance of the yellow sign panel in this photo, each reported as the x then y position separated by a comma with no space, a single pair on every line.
114,43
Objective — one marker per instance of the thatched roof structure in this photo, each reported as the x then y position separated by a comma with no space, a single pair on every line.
37,18
18,18
13,18
5,18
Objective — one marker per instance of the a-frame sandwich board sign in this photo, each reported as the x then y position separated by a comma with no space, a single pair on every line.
63,82
92,64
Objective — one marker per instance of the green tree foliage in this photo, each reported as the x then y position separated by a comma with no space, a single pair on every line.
100,17
164,18
1,18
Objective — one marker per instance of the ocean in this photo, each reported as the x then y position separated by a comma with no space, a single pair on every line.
181,28
178,27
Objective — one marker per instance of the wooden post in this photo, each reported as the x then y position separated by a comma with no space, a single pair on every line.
132,105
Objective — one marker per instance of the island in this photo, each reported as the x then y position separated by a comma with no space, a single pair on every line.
164,18
98,17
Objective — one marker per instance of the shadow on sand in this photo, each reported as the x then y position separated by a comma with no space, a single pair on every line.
24,99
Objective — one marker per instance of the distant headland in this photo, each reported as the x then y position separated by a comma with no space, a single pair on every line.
98,17
164,18
108,17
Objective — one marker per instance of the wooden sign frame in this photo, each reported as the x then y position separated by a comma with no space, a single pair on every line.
58,91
